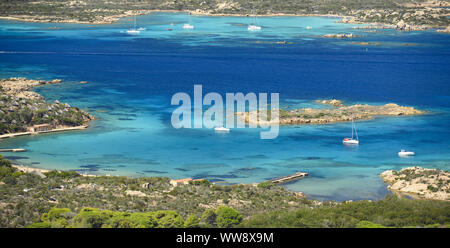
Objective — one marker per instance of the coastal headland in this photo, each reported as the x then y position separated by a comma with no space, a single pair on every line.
337,113
24,112
419,182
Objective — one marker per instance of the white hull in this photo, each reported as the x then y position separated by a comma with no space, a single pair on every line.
351,142
253,28
188,26
222,129
133,31
405,154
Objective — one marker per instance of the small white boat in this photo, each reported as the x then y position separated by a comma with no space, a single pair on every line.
221,129
188,26
308,27
352,141
403,153
133,30
253,28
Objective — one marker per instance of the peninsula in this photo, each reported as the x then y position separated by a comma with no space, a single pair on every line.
419,182
337,113
26,112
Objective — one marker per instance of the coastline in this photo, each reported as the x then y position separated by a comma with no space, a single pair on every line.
115,18
346,19
60,129
35,170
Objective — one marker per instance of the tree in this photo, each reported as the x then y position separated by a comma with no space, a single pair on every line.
209,218
169,219
227,217
191,222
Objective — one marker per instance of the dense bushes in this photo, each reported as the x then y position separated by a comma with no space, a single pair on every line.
27,198
227,217
389,212
95,218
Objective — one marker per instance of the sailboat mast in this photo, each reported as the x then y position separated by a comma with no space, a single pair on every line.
356,132
352,127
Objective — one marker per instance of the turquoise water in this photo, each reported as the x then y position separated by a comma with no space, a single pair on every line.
131,79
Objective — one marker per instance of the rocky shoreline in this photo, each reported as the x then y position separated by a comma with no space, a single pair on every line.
419,182
338,113
22,110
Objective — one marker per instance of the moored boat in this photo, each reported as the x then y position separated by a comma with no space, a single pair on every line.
404,153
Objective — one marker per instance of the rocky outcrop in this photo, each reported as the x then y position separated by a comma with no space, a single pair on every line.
445,30
18,87
340,36
332,115
419,182
21,109
332,102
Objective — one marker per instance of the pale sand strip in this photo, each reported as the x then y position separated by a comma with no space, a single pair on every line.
11,135
33,170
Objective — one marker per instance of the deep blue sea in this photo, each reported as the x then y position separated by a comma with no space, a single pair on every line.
131,79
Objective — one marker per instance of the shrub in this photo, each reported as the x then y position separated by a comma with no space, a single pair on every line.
266,185
368,224
227,217
192,221
209,218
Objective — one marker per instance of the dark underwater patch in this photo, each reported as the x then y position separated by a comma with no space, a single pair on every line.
258,156
207,176
15,157
155,171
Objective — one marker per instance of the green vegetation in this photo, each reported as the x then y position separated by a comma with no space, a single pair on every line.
96,218
18,113
266,185
67,199
227,217
389,212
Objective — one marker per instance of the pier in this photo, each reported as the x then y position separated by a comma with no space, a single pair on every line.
13,150
285,179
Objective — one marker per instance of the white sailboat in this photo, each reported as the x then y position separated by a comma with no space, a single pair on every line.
188,25
221,129
352,141
253,26
404,153
134,30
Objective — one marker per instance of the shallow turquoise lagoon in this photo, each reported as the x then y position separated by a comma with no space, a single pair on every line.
131,79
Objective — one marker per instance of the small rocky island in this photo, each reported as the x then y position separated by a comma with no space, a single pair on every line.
340,36
419,182
22,110
337,113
